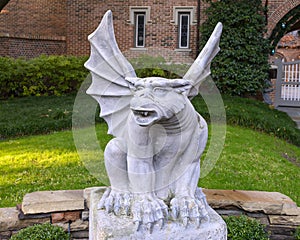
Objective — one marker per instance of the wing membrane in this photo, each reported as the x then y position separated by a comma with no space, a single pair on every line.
109,68
200,69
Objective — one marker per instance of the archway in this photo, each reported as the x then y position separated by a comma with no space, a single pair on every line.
288,23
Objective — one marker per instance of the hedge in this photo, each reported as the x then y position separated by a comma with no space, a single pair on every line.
41,76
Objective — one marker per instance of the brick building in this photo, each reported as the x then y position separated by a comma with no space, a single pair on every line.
169,28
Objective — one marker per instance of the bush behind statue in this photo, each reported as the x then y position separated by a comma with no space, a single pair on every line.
245,228
41,76
41,232
241,67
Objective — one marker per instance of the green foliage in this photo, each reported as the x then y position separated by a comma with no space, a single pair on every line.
45,75
297,233
244,228
255,115
36,115
41,232
241,67
148,66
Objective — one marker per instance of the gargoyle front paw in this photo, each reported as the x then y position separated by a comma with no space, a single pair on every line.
188,209
115,201
148,210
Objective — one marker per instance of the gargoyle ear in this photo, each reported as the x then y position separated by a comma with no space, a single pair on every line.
181,86
132,81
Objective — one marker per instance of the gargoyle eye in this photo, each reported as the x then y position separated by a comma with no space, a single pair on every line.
160,90
139,88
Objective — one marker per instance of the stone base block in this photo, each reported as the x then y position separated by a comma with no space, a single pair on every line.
109,226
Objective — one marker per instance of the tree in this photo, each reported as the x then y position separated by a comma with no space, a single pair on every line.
3,3
241,67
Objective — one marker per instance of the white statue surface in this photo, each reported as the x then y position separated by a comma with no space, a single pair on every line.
153,162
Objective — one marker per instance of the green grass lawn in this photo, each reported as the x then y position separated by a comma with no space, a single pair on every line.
256,156
250,161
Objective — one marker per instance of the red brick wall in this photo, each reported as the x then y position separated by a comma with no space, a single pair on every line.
277,10
161,34
49,26
30,29
30,48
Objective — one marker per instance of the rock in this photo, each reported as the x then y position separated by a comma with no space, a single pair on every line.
252,201
5,235
76,226
52,201
80,235
285,220
9,220
282,230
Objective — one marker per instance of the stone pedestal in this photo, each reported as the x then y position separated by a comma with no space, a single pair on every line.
109,226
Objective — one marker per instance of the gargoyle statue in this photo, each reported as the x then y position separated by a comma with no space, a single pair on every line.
153,161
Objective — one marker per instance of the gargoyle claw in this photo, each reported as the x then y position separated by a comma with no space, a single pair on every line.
188,209
161,223
104,197
137,225
185,221
115,201
148,211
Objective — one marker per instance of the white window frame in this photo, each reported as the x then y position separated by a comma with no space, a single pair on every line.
180,15
177,10
133,12
136,36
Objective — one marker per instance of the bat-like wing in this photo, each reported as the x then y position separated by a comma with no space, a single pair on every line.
109,68
200,69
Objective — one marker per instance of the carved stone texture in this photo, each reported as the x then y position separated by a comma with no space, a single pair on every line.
105,225
153,161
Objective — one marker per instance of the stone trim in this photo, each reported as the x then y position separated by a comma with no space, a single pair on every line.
277,211
190,9
33,37
135,9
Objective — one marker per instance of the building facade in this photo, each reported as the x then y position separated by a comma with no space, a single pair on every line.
156,27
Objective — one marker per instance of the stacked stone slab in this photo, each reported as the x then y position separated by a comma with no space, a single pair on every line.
70,209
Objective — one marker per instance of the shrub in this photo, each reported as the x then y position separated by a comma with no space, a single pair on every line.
256,115
148,66
44,75
297,234
41,232
241,67
244,228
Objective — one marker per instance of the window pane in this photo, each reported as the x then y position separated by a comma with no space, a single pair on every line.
184,31
140,30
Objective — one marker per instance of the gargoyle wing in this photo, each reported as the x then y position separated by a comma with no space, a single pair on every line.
200,69
109,68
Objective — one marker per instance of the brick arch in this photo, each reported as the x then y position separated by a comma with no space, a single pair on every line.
279,13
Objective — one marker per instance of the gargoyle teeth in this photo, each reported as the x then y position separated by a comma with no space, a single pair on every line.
142,113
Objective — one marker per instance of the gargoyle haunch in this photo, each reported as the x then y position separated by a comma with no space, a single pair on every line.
153,161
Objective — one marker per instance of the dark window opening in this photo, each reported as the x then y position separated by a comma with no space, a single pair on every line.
184,30
140,29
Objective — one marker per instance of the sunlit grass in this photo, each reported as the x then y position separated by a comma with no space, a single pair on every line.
256,161
249,161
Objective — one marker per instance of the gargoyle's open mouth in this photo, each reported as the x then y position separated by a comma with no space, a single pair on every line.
144,117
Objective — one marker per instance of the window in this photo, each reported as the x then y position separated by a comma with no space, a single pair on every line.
184,18
140,20
183,30
139,17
